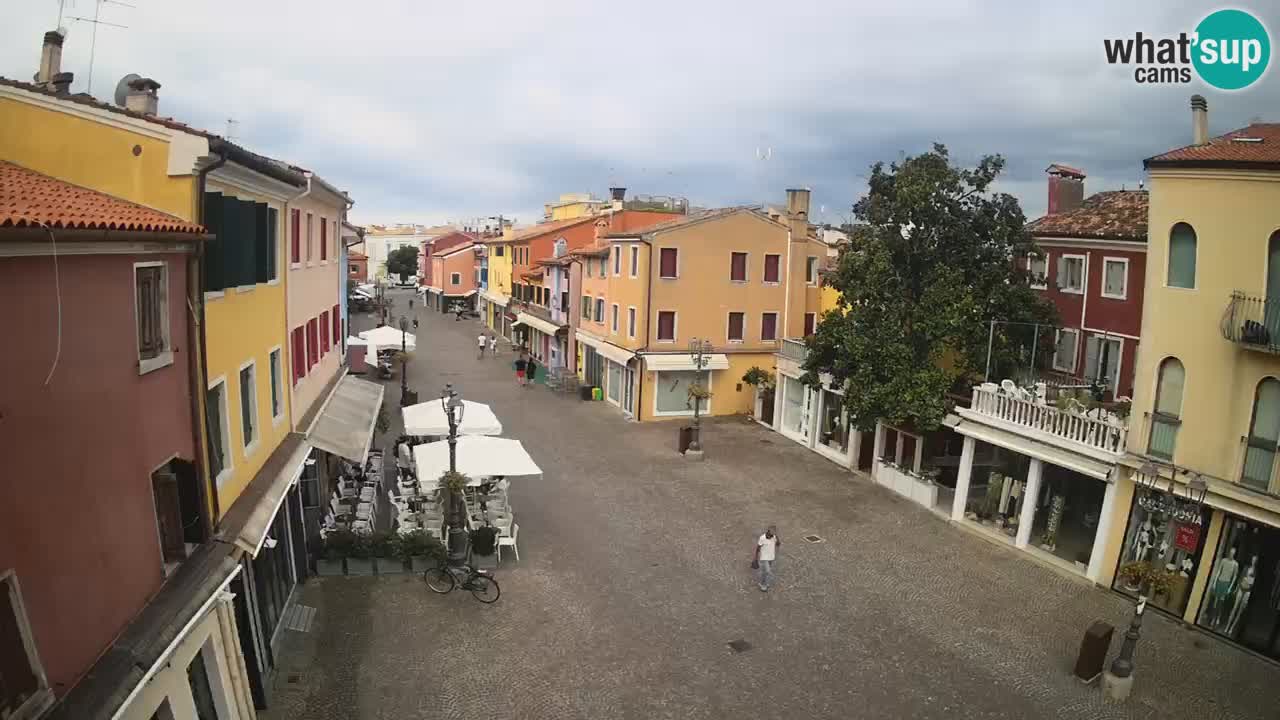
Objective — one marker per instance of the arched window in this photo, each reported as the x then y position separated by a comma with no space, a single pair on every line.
1167,415
1182,256
1264,434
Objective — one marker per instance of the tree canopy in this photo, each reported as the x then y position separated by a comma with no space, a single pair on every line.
403,261
936,255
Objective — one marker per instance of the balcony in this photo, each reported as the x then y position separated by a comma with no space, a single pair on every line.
794,350
1105,434
1253,322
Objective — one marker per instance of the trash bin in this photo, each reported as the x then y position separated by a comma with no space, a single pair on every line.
686,438
1093,651
585,392
597,393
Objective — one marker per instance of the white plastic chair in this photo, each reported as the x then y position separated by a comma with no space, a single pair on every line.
1009,387
509,540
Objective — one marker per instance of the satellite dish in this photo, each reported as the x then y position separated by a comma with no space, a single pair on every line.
122,87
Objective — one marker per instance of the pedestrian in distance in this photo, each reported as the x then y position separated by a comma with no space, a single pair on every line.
530,372
493,345
415,323
480,342
766,552
520,366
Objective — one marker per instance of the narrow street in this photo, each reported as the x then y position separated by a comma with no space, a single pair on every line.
633,578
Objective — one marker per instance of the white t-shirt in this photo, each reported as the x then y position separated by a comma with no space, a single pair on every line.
480,340
768,547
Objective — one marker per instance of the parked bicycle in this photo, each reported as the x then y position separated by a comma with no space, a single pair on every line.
443,579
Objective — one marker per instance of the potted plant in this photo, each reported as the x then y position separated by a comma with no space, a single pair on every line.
1133,575
359,559
420,550
333,554
1160,582
384,546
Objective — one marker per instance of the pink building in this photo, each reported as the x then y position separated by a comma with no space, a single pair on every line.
453,278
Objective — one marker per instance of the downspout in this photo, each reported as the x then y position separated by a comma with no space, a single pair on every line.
786,297
648,296
199,369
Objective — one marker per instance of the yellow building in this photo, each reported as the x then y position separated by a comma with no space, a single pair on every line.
1206,405
495,296
573,205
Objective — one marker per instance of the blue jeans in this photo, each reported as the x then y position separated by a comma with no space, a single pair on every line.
766,573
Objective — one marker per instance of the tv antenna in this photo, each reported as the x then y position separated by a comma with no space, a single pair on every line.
96,20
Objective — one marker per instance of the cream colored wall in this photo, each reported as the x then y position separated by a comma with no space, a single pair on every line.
703,295
628,292
1234,215
171,681
312,288
1119,523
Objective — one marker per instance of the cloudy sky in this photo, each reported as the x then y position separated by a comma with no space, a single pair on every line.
433,111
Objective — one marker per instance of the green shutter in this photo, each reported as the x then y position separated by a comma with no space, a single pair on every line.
214,279
273,244
262,242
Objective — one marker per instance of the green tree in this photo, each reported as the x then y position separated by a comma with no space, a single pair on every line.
935,256
403,261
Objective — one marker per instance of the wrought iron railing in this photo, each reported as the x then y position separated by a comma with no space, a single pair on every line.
1253,321
794,350
1074,427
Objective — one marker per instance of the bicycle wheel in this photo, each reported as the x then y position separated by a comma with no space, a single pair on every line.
439,580
484,588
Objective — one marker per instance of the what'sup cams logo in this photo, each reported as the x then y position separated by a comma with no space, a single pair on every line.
1229,50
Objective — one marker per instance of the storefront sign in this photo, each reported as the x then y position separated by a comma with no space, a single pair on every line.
1168,505
1187,538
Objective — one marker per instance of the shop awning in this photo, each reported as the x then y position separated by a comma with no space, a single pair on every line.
684,361
389,337
478,457
466,294
1030,447
432,290
428,418
607,349
344,425
538,323
247,521
495,298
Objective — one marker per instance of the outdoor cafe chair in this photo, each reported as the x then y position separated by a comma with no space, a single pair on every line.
509,541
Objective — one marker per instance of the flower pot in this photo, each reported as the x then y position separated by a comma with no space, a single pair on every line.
390,566
359,566
327,568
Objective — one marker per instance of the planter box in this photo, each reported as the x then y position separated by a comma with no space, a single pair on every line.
903,484
421,563
884,474
390,566
329,568
925,493
359,566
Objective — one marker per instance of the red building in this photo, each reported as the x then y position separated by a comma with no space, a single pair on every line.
437,246
357,266
102,501
1092,267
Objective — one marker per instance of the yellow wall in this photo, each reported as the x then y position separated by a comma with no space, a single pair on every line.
499,268
828,300
572,210
94,155
244,325
1234,215
627,292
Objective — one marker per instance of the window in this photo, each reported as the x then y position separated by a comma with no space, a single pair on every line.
25,690
298,351
614,318
600,310
248,406
1064,350
1102,361
671,394
168,503
769,326
455,278
337,325
273,364
353,269
151,307
324,334
1038,269
1264,435
736,322
668,263
1115,278
617,260
313,344
586,307
215,405
811,270
334,251
738,267
666,326
564,301
201,683
1167,414
771,265
500,250
810,321
310,242
1182,257
295,242
631,322
324,240
635,260
1071,274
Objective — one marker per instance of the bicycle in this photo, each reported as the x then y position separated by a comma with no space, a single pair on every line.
443,579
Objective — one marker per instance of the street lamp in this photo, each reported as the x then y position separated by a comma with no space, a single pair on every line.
700,351
454,409
407,397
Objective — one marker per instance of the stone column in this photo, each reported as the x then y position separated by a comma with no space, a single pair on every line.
1030,494
1097,555
963,476
877,448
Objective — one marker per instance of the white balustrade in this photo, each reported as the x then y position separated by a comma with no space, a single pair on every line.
1108,436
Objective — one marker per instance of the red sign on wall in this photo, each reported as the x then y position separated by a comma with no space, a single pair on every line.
1187,538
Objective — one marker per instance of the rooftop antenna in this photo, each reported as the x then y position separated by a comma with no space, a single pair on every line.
96,21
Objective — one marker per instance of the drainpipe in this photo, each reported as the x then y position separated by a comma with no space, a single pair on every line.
648,302
199,370
786,298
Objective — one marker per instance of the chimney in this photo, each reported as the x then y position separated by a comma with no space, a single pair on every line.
1199,120
142,96
618,195
61,82
50,58
1066,188
798,204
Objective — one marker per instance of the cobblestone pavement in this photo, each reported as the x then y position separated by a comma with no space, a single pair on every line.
634,576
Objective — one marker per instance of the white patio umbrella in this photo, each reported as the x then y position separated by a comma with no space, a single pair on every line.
478,457
429,418
387,336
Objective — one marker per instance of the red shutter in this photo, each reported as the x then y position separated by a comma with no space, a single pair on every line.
295,254
771,268
299,355
668,263
666,325
809,319
738,267
311,343
735,326
324,239
769,326
324,333
337,326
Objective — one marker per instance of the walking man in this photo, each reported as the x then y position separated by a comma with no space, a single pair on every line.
493,345
766,552
520,366
480,342
530,372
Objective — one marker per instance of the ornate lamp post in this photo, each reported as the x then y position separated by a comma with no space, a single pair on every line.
407,397
454,409
699,350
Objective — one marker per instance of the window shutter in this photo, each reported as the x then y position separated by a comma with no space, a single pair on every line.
666,325
273,246
295,230
769,326
1062,272
169,516
20,680
1091,349
324,334
150,332
771,268
244,243
809,320
262,243
735,326
324,239
337,326
668,262
738,266
213,249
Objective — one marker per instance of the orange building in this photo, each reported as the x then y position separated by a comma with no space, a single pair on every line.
453,274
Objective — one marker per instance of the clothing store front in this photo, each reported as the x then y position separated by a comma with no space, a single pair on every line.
817,419
1242,598
1165,534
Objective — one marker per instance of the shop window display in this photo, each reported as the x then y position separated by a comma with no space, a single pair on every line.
1067,512
795,409
996,488
835,425
1163,544
1242,599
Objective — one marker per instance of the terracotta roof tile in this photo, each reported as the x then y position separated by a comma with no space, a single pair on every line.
30,199
1060,169
1110,215
1258,143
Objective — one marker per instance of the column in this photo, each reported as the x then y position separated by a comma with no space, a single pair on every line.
1029,496
779,400
1098,554
919,456
815,401
962,479
877,448
855,444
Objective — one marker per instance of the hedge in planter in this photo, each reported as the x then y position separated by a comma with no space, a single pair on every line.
360,559
385,548
337,547
421,550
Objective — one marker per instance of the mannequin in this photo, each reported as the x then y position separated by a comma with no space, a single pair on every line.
1143,545
1187,566
1242,595
1164,548
1224,577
